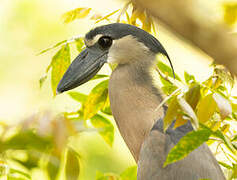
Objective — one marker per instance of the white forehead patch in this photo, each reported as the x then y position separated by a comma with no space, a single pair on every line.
91,42
127,49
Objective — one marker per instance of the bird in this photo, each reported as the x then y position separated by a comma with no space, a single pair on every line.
134,98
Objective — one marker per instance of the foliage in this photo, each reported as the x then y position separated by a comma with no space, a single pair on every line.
208,105
230,13
210,108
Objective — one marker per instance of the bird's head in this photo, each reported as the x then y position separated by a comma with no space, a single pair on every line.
114,43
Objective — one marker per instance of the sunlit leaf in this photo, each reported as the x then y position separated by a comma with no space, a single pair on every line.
54,46
223,105
74,14
168,89
106,109
225,165
59,64
53,167
79,44
206,108
188,78
165,69
32,160
96,99
187,109
26,140
129,174
187,144
146,24
72,167
137,12
106,129
16,173
193,95
171,113
99,76
81,98
230,13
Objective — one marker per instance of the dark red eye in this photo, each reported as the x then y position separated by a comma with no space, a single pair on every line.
105,42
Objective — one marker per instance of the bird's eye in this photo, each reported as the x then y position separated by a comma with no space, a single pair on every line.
105,42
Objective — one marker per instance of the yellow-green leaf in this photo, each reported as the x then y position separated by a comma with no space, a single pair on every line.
165,69
59,64
78,96
230,13
171,113
77,13
187,109
129,174
106,129
72,167
206,108
187,144
96,99
79,44
193,95
223,105
188,78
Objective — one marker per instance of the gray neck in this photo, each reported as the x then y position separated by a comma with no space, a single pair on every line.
133,99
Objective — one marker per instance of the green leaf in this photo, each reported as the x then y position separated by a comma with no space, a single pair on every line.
223,105
171,113
206,108
26,140
59,64
106,109
81,98
225,165
165,69
187,144
129,174
79,44
96,99
72,167
189,78
99,76
53,167
230,13
168,89
21,173
52,47
106,129
193,95
74,14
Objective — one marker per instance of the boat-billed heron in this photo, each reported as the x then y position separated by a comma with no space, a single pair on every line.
134,97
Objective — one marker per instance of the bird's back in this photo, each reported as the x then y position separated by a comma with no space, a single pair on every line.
199,164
